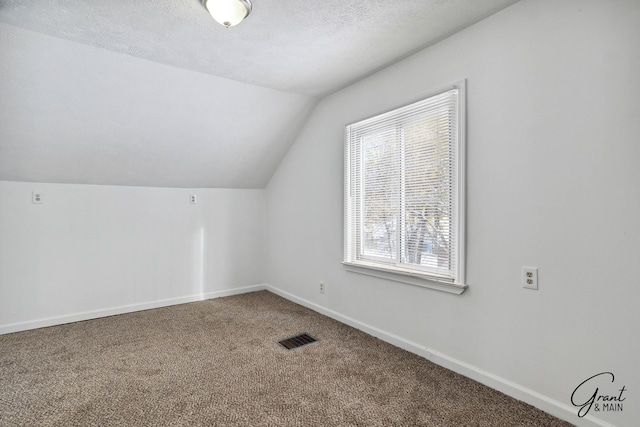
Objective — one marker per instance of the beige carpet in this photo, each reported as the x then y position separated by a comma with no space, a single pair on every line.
217,363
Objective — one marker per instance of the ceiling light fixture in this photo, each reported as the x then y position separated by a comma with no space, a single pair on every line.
228,12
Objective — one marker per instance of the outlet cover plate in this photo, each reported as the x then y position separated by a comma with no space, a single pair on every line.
37,198
530,277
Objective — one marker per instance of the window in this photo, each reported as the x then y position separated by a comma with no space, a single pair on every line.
404,193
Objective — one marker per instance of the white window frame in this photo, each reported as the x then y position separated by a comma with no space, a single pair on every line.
368,265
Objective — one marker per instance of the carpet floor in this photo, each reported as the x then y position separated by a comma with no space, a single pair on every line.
218,363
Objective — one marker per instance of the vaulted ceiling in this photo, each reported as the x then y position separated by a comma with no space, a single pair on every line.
156,93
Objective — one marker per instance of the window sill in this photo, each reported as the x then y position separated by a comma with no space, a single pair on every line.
407,277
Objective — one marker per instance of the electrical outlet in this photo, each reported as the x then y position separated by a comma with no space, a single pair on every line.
322,287
37,198
530,277
192,199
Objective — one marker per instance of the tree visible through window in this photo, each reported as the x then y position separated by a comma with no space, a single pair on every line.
402,189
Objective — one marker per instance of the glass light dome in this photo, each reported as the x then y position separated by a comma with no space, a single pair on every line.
228,12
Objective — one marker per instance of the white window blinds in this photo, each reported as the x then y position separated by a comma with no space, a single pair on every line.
402,189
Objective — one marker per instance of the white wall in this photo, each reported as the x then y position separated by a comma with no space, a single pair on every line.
89,251
553,182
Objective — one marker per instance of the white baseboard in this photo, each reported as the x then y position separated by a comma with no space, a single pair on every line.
540,401
94,314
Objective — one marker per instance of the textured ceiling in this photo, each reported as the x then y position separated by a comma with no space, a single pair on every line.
309,47
156,93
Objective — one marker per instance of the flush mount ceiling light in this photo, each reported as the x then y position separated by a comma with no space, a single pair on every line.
228,12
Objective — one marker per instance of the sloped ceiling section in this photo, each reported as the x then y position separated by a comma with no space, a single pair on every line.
155,93
73,113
